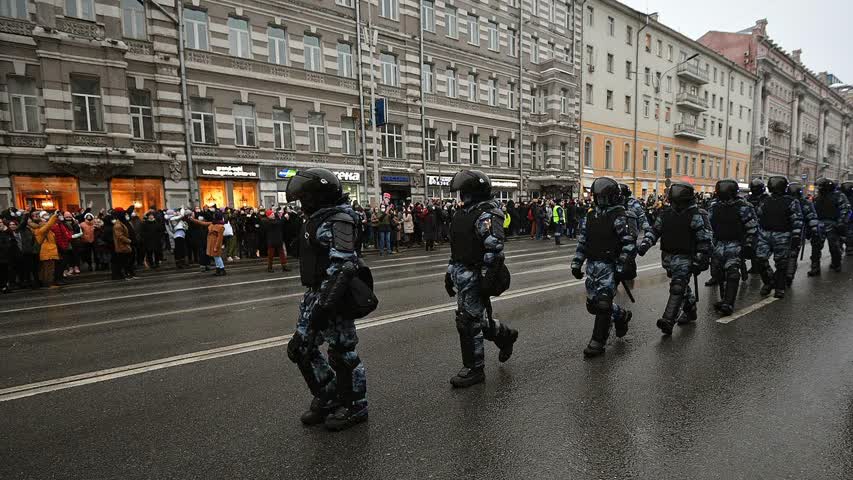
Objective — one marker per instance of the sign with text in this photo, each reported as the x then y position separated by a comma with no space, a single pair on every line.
230,171
435,181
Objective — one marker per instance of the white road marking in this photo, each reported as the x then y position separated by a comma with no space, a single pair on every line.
47,386
111,298
746,311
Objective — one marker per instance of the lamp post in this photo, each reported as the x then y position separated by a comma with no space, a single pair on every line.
657,145
637,89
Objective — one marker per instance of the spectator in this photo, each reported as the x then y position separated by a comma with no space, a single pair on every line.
48,252
215,231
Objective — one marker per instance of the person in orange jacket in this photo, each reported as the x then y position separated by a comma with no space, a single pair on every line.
215,236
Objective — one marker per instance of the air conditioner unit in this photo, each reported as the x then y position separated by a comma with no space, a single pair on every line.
591,68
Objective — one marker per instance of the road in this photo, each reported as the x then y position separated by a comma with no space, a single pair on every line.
180,375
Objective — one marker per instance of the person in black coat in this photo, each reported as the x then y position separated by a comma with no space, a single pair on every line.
152,240
8,255
272,228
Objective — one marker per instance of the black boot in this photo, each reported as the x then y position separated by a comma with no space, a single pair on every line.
835,266
316,413
504,340
728,304
470,374
557,240
688,315
718,305
345,417
673,307
744,274
815,270
781,278
712,281
622,325
768,279
600,332
468,377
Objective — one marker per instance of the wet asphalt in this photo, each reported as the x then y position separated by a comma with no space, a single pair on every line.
767,396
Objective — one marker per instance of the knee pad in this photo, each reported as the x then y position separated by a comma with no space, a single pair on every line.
467,324
603,305
677,287
591,307
343,358
733,273
295,348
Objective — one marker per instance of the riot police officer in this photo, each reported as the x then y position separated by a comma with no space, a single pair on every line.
757,194
833,212
810,226
327,264
475,273
781,221
735,228
608,246
685,236
635,208
847,190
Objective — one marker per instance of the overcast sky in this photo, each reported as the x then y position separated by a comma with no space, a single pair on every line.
823,29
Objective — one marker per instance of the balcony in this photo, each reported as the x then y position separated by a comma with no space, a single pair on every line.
692,132
779,127
691,101
691,72
810,138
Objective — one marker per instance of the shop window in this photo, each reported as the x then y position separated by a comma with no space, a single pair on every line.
46,193
141,123
86,96
213,192
143,193
245,194
22,96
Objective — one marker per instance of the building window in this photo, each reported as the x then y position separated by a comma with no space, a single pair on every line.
669,52
590,16
474,149
86,96
587,152
494,44
678,163
493,151
452,84
313,53
668,84
510,150
204,126
646,108
141,123
345,3
493,92
84,9
427,78
277,38
659,48
610,63
739,133
244,125
648,43
609,103
512,42
564,102
629,69
390,70
316,132
473,30
645,160
428,15
195,29
608,155
132,18
564,156
22,95
392,141
534,155
510,96
345,60
282,129
626,157
667,114
389,9
430,144
647,78
590,56
451,20
348,145
628,104
13,8
473,94
534,101
239,43
629,35
611,26
534,50
453,147
589,94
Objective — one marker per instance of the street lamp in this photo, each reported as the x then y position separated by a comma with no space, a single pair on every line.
658,153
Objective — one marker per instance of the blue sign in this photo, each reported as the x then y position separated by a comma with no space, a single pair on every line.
380,112
805,177
395,178
286,172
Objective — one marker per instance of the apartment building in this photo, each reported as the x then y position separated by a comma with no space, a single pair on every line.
804,125
152,103
691,108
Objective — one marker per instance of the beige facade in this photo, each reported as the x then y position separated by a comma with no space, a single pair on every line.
91,96
693,107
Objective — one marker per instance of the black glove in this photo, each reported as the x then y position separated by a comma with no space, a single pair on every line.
576,271
643,248
320,317
619,274
747,252
448,285
699,265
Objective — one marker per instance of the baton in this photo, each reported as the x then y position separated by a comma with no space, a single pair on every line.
803,246
696,286
628,291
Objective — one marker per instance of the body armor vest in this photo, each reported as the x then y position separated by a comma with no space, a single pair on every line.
677,236
727,224
465,247
602,241
825,208
774,214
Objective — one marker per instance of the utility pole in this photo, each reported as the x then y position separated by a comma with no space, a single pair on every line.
581,165
371,42
422,98
520,100
637,92
359,31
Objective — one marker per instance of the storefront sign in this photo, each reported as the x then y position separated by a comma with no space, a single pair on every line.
504,184
286,172
395,179
230,171
344,176
435,181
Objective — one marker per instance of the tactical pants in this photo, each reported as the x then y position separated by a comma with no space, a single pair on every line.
725,258
336,379
829,234
472,322
600,289
777,244
678,270
849,239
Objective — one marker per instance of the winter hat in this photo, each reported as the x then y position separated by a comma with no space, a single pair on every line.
269,212
44,215
88,216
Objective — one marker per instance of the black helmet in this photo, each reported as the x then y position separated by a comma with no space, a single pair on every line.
726,190
606,192
681,195
825,185
315,188
756,186
472,185
795,189
625,190
847,188
777,184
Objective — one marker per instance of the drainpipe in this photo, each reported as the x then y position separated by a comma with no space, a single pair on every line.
520,101
179,23
423,109
358,31
728,116
374,35
580,142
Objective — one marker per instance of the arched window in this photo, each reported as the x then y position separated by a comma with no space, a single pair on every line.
587,152
608,155
626,160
